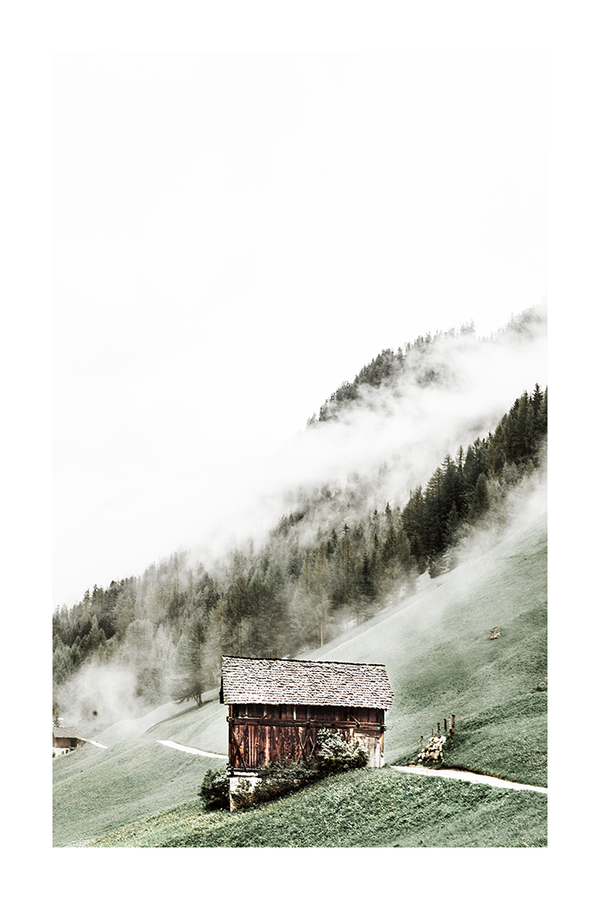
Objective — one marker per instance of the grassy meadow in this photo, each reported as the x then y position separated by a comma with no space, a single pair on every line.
440,661
96,790
364,808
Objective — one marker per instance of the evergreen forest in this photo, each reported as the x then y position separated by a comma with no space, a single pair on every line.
322,567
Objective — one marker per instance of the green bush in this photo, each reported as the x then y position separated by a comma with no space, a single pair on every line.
280,778
334,754
214,790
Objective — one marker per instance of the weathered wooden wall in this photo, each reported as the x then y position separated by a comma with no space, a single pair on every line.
71,743
260,734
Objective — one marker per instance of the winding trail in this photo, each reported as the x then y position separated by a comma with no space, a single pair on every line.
469,776
191,749
408,770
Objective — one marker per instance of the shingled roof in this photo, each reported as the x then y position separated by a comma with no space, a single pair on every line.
66,731
305,682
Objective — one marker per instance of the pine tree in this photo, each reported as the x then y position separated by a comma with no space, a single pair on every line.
375,565
434,515
367,591
480,502
312,600
536,400
413,523
188,684
541,417
268,615
523,429
238,609
343,577
93,639
477,460
451,530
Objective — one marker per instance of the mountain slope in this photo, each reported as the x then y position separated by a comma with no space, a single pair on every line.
440,661
317,537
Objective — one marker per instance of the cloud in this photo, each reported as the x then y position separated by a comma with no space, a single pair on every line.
376,451
99,694
393,438
232,235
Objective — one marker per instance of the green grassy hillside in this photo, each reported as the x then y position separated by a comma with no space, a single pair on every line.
364,808
440,661
96,790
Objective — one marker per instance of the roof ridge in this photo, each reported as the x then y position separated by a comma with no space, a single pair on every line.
327,662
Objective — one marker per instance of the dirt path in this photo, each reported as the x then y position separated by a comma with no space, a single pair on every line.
409,770
469,776
193,750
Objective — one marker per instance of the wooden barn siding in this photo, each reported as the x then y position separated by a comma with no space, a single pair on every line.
261,734
64,742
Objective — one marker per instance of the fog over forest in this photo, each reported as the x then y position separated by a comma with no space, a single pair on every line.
236,235
395,435
325,535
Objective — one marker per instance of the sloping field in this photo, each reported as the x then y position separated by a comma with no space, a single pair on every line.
364,808
133,728
440,661
97,790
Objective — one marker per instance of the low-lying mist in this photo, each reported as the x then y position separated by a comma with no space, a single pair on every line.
123,682
517,507
98,695
392,439
374,452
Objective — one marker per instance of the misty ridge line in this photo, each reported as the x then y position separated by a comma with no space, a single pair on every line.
393,437
336,475
423,360
128,682
448,391
408,424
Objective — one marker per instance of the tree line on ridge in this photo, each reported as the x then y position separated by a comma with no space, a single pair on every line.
172,624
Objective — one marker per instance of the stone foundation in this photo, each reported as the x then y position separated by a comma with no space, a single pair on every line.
239,783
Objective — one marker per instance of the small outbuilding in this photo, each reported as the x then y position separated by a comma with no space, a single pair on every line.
65,738
277,706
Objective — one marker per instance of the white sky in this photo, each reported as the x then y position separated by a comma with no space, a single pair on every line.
235,235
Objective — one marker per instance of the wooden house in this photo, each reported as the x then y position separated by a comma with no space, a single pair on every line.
65,738
277,706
